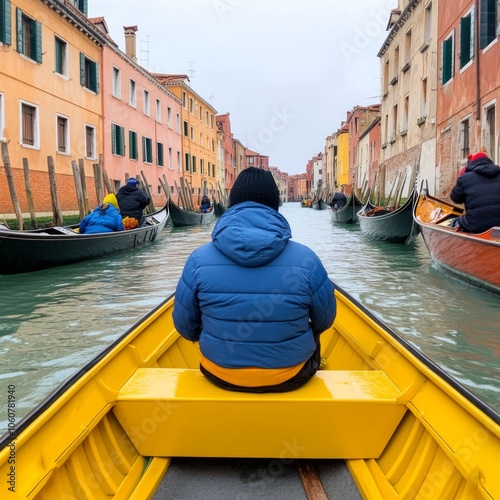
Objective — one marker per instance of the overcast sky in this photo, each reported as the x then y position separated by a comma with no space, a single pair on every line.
287,71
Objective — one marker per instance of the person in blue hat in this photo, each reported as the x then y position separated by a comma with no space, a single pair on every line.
132,200
255,301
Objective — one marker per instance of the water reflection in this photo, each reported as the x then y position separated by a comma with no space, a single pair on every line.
53,321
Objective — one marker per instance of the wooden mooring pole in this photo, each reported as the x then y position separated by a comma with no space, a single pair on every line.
29,192
12,187
56,211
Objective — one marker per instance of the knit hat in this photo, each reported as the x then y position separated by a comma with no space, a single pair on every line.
133,181
477,156
110,199
255,184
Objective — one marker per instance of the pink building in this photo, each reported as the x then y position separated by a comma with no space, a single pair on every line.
141,123
253,159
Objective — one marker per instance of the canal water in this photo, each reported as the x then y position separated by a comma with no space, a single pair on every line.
52,322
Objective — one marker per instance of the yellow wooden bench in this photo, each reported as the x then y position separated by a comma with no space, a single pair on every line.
171,412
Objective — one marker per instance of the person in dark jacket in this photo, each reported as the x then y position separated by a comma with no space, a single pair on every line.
104,219
132,200
478,188
338,201
255,301
205,204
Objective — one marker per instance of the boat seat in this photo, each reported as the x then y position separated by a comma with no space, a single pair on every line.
169,412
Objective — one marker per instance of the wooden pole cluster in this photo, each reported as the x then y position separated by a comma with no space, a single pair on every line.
145,185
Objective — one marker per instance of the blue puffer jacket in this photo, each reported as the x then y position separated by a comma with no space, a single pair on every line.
102,220
479,190
252,297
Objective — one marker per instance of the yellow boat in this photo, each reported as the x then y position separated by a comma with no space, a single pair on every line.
405,429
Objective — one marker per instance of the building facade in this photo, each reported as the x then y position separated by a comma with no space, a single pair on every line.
469,85
408,59
50,98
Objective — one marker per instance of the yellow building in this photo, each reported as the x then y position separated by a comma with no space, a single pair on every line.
342,174
199,137
50,99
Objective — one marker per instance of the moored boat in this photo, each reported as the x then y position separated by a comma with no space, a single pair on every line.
405,428
181,217
396,226
219,209
348,214
473,258
32,250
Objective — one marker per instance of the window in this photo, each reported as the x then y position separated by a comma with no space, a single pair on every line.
160,161
187,161
169,117
407,49
396,65
179,161
201,113
117,140
61,66
428,24
394,123
158,110
194,164
90,145
178,127
29,36
81,5
133,152
5,22
170,159
186,129
89,73
447,56
202,166
250,160
62,134
191,105
212,121
467,38
385,82
207,117
406,110
30,135
147,149
147,103
488,22
133,94
184,100
464,138
192,133
423,102
117,83
490,131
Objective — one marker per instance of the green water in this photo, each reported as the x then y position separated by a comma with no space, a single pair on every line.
52,322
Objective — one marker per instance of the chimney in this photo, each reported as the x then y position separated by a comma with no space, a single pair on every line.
130,42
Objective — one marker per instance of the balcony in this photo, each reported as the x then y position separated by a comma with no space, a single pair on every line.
421,120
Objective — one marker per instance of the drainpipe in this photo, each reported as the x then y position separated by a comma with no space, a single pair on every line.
476,43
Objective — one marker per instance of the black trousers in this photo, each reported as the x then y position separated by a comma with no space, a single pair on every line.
310,367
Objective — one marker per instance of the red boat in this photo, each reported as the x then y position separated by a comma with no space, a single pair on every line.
473,258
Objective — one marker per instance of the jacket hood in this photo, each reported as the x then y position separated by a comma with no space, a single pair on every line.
251,234
484,167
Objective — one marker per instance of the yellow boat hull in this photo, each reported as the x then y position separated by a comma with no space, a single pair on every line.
403,429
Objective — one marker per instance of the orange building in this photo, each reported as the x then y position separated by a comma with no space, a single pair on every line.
199,136
50,98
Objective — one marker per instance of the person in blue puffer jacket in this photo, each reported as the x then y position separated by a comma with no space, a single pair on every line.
103,219
254,300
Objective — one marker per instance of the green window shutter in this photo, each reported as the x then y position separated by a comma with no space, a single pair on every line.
122,141
38,42
487,27
131,144
113,138
84,7
19,29
447,60
96,76
59,53
150,150
144,152
82,69
465,34
159,153
5,23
